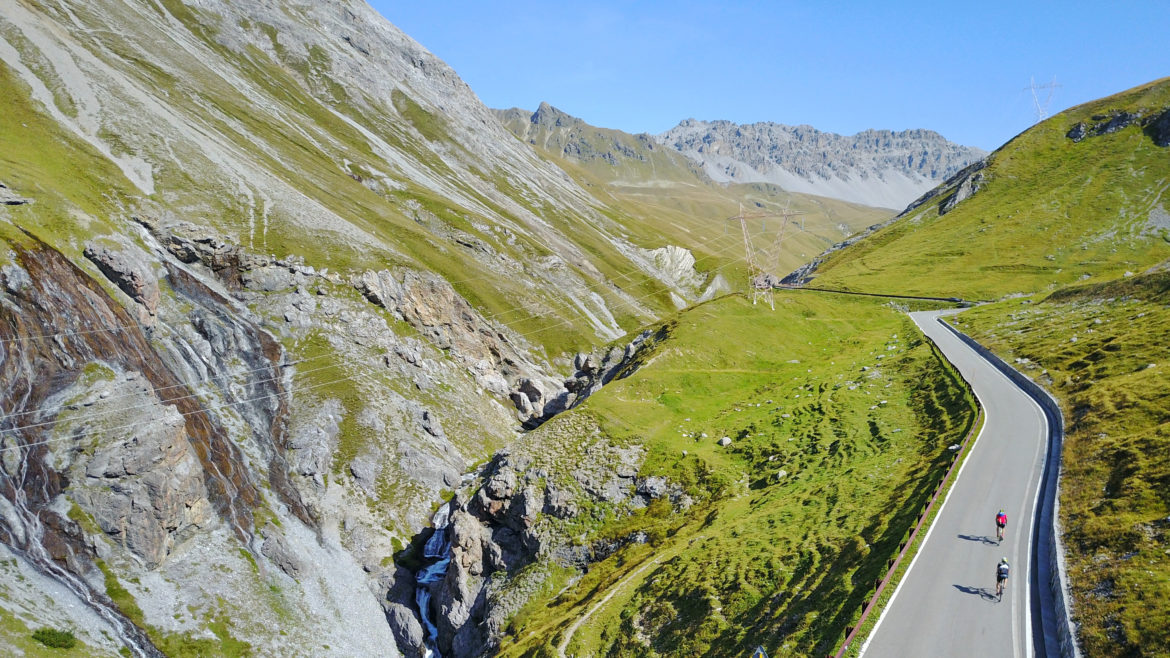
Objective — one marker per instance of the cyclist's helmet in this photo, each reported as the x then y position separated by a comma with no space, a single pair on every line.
1004,560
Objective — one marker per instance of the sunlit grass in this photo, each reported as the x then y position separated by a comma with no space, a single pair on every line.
792,523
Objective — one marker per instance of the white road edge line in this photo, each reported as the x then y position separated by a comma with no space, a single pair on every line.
1032,521
1027,535
958,474
1041,448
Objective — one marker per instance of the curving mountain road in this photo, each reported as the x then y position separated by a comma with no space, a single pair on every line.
945,605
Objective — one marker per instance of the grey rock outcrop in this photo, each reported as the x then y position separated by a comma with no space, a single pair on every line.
431,305
962,185
400,612
10,198
16,279
1159,129
591,372
1155,123
142,484
514,519
129,271
968,185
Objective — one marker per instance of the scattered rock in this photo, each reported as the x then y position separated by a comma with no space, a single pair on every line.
725,441
10,198
275,548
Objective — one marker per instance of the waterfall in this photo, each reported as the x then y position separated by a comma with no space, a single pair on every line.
437,549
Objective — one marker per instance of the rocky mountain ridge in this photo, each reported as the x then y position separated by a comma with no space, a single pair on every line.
875,167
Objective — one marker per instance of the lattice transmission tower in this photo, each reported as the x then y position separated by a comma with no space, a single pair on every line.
1042,108
760,281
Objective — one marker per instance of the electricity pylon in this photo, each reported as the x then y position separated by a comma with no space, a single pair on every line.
759,281
1042,109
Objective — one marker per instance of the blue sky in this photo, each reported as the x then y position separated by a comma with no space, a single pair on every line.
961,69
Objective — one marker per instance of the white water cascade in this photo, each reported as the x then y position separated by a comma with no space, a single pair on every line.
437,548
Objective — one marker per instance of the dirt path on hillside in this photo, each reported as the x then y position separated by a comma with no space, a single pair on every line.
597,606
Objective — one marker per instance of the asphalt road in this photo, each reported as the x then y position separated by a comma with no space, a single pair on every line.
945,603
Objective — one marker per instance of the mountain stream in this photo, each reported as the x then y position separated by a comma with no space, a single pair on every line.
437,549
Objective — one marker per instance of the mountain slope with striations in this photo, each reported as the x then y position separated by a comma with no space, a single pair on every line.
880,168
304,350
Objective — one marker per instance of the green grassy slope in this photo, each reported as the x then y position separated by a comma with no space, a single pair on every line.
1102,350
1051,212
839,417
261,143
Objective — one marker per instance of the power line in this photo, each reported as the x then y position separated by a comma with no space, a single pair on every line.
222,315
151,404
592,284
229,405
565,322
181,413
121,327
170,400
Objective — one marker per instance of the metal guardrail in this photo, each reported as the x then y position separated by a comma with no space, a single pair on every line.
906,544
949,300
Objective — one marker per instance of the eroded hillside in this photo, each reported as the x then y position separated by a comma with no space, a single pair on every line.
274,281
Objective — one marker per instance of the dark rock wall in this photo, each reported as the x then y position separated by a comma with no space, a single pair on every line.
140,454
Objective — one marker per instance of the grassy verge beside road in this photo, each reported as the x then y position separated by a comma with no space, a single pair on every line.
1101,350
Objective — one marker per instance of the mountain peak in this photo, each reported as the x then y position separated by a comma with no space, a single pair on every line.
547,115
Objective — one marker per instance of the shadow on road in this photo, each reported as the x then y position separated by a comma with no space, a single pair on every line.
987,541
981,592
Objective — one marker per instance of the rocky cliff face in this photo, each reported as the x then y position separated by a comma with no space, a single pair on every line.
874,167
613,154
531,510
